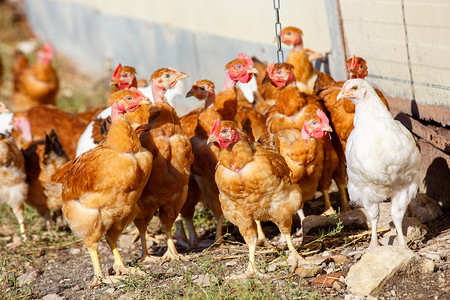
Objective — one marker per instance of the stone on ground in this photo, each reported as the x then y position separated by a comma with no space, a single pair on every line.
368,276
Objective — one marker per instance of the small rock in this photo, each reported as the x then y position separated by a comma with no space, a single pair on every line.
370,297
126,296
331,267
308,271
271,267
52,297
325,253
355,220
231,263
430,255
205,280
427,266
337,285
375,267
353,297
75,251
424,208
414,229
339,259
317,259
110,290
326,280
356,255
27,277
76,287
314,221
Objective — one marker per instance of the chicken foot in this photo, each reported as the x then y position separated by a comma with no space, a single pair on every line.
262,239
18,212
344,198
328,208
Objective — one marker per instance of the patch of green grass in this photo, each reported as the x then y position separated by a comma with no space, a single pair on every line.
184,283
9,285
203,217
39,240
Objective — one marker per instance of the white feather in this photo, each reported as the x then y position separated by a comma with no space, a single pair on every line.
248,89
6,122
86,142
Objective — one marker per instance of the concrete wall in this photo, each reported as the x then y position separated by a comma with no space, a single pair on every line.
406,45
198,37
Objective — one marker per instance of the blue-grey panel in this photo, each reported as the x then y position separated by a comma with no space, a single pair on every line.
91,39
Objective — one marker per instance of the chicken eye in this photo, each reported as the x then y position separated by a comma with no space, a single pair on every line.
167,75
314,122
239,66
289,33
354,88
225,130
361,67
125,75
129,98
279,72
202,88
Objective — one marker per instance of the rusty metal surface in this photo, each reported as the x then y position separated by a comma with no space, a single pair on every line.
437,136
440,114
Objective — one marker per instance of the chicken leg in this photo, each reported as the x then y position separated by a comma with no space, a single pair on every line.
329,210
262,239
399,204
96,264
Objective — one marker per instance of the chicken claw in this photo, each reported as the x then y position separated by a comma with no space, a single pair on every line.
105,280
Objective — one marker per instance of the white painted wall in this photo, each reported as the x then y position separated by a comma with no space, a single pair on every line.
375,30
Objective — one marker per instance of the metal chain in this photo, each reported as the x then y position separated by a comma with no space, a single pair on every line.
280,54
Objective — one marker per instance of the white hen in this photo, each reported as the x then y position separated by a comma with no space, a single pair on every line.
382,158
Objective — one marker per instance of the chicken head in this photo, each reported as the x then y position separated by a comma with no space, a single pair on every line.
316,126
124,77
126,100
280,75
224,134
241,69
356,68
45,54
354,90
291,36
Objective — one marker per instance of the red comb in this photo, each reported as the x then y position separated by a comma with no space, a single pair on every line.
117,71
353,62
137,92
216,124
247,59
270,68
48,49
322,116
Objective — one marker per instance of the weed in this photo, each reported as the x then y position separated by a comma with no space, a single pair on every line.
9,285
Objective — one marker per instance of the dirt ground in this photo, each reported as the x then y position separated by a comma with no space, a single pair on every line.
50,265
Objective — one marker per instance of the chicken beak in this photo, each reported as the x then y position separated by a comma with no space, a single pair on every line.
252,70
343,94
113,82
211,139
190,93
266,79
145,100
182,76
327,128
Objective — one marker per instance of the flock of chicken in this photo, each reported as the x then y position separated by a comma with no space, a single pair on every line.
247,160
